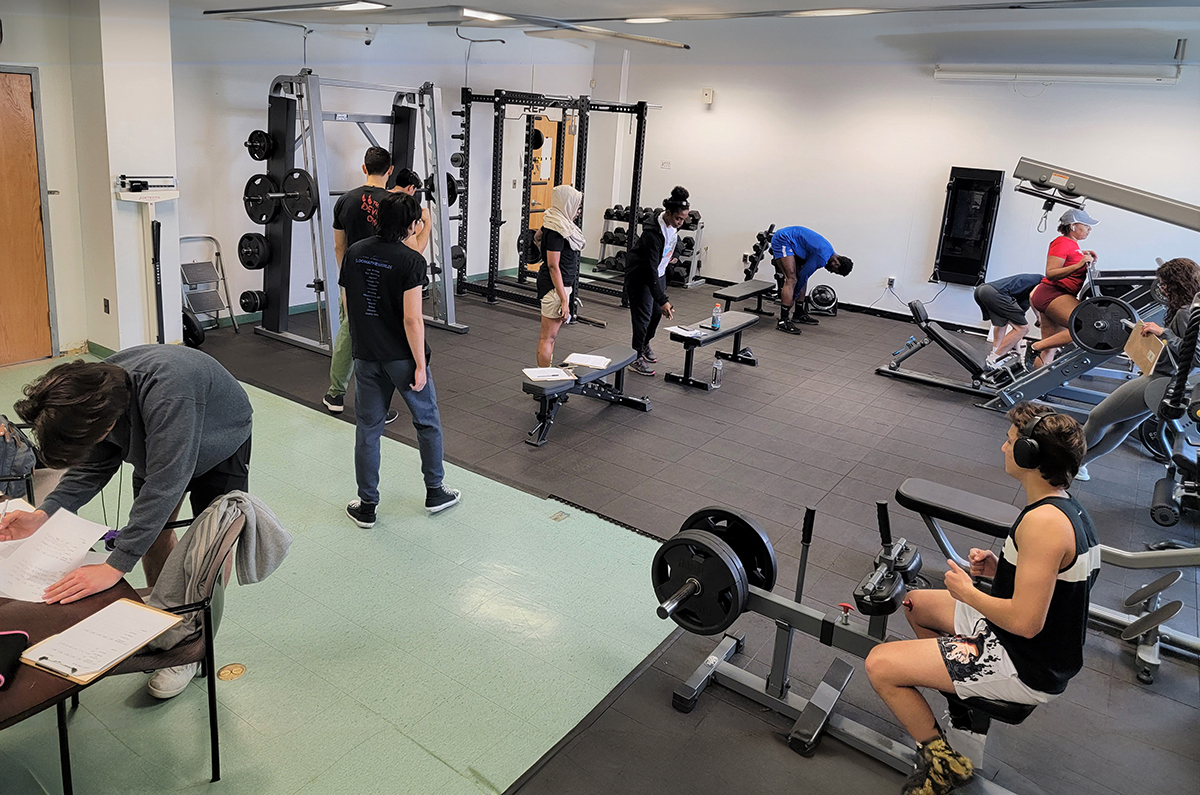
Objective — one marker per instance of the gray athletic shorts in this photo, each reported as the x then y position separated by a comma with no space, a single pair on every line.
1002,310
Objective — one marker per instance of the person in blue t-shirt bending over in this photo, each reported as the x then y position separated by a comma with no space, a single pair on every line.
1004,302
797,253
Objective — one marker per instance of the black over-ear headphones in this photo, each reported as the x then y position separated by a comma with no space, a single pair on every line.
1027,453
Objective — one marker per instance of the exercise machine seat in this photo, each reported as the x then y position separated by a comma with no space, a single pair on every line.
1003,711
961,352
982,514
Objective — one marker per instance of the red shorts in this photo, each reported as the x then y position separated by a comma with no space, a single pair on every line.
1043,295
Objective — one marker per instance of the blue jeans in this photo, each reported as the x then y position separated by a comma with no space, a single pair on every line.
374,383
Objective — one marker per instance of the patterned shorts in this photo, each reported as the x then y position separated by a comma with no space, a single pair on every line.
978,664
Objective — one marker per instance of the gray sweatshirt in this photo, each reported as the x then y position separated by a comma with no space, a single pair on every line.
1173,335
186,415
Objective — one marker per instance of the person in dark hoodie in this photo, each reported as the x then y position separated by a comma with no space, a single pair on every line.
646,276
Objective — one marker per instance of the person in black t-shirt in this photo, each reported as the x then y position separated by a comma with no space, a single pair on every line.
561,242
1021,642
381,282
353,220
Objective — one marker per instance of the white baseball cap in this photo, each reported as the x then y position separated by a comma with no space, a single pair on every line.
1077,217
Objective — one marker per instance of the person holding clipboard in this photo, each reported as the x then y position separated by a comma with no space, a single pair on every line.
1115,417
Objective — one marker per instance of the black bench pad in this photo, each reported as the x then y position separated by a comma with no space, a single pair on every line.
744,290
551,395
956,506
621,355
731,323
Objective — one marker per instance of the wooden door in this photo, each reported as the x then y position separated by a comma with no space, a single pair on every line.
24,302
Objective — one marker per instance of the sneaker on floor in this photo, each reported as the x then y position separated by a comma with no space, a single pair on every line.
170,682
806,319
390,417
1082,474
641,367
648,355
335,403
940,770
787,327
441,498
363,514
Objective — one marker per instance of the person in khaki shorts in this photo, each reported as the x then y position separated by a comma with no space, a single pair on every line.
561,242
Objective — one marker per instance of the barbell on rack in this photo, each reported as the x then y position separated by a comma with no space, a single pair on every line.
454,187
297,194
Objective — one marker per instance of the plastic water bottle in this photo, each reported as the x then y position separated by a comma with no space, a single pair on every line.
716,317
716,374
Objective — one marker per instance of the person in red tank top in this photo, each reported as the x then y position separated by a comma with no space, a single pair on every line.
1057,296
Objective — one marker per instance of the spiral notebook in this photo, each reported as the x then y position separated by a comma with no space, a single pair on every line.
103,639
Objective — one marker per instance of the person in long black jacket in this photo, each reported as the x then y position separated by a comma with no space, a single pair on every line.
646,280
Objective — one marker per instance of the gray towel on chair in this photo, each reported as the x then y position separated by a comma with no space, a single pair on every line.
261,547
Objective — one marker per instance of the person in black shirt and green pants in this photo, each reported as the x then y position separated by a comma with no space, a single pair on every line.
1021,642
561,241
381,282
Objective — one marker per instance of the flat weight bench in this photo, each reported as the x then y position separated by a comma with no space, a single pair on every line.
589,383
731,323
744,291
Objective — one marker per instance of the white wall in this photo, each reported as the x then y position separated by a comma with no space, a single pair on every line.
857,142
223,70
36,33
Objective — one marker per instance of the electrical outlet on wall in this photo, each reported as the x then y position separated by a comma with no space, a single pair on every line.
514,183
106,306
665,164
706,96
891,281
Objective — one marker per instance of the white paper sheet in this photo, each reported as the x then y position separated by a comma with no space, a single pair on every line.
101,639
548,374
684,331
584,360
57,548
7,507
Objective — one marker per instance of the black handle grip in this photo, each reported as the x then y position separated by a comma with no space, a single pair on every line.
885,523
810,516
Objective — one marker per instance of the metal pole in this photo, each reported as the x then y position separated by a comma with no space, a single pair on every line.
526,193
322,220
497,220
464,173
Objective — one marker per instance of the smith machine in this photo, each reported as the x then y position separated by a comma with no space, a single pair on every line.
295,101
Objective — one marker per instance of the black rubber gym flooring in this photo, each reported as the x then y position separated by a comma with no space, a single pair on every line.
811,425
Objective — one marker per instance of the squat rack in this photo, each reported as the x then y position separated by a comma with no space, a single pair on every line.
520,291
297,98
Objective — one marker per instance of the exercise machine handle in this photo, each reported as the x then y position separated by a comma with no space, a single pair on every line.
885,525
806,532
689,589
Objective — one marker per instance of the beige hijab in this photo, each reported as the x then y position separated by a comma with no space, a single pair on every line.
564,206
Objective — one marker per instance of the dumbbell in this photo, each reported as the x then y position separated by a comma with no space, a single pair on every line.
619,261
686,246
608,239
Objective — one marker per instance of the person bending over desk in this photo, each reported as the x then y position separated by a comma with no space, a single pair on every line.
798,252
1004,302
1022,642
1115,417
561,242
646,276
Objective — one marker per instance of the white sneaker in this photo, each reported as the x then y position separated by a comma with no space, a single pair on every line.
1083,475
991,360
170,682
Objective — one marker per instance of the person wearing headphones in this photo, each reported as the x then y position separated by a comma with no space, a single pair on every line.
1023,641
798,252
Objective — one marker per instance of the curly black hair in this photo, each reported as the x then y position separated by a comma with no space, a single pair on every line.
1179,280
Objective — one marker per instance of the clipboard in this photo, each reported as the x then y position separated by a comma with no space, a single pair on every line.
1143,350
33,657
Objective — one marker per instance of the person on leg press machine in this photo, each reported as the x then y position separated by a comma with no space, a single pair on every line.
797,253
1021,642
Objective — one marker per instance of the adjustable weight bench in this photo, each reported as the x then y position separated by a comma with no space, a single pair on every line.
589,383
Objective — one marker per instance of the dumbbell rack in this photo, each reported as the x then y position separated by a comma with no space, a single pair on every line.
693,260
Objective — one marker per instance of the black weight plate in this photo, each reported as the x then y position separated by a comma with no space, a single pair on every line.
536,139
527,250
453,188
259,145
301,206
259,205
1096,325
254,251
823,297
695,554
743,535
253,301
1148,435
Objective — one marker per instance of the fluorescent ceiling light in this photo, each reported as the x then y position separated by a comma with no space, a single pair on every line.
357,7
647,20
833,12
1013,76
487,16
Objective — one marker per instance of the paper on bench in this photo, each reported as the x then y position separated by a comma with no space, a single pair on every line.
587,360
100,641
548,374
57,548
684,331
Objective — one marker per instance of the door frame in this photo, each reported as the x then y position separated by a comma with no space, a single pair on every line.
32,71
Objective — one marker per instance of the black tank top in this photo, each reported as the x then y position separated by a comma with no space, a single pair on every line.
1050,658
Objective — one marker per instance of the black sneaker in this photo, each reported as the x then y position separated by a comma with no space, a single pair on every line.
1030,358
335,403
806,319
787,327
390,417
641,368
648,355
441,498
363,513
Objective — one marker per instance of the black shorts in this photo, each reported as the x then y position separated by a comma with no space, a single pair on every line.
232,474
1001,309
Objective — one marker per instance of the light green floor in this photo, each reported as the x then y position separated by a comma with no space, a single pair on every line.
427,655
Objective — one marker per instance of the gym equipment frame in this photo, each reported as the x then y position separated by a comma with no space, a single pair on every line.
521,291
296,99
